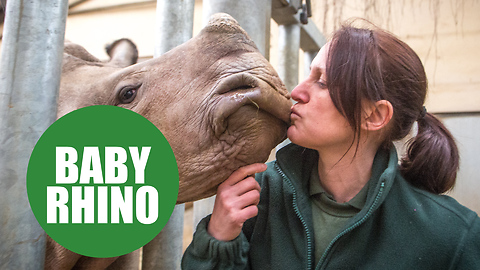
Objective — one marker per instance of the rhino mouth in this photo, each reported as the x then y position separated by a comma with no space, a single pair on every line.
246,89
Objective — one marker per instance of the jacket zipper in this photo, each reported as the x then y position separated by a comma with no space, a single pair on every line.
355,225
299,215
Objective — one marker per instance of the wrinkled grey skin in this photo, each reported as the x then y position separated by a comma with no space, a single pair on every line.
215,98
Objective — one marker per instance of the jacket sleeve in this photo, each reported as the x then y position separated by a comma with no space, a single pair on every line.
470,252
206,252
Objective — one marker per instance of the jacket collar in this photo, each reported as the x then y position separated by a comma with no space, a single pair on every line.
297,163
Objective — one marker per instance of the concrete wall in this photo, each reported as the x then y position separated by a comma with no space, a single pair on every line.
96,23
444,34
465,127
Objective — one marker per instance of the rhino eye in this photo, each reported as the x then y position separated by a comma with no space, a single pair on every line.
128,94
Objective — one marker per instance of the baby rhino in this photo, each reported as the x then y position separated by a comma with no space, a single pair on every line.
215,98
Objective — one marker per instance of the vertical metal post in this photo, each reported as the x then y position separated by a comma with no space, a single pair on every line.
307,60
174,27
201,209
174,23
289,48
254,17
30,70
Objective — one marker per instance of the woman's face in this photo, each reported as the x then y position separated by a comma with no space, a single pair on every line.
316,122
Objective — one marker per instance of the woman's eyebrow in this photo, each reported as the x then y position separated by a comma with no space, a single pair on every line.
317,69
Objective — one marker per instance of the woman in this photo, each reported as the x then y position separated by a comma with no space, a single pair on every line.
337,198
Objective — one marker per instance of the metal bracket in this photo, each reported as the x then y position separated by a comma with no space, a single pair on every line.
286,12
306,12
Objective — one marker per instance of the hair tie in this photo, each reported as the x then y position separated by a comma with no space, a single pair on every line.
422,113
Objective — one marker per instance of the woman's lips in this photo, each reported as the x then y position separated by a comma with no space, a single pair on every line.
294,110
294,113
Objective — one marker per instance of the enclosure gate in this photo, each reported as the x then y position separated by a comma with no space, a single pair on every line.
33,39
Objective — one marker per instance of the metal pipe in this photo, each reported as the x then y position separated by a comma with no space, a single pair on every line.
289,48
307,60
30,69
165,250
174,23
201,209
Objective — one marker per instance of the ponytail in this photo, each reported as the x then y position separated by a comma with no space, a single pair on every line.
432,158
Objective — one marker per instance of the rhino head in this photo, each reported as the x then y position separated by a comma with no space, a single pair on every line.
215,98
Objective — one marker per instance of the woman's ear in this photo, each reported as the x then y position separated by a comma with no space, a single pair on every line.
377,115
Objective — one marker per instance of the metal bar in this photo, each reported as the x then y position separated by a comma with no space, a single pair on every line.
311,39
201,209
289,49
307,61
174,23
165,250
30,69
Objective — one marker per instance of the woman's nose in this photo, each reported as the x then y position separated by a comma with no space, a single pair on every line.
299,93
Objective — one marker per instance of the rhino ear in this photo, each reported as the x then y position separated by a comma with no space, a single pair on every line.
78,52
122,52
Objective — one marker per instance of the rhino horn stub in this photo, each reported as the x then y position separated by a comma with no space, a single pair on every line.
224,23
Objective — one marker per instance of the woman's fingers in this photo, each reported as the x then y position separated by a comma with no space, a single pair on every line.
244,172
250,212
238,210
241,187
236,201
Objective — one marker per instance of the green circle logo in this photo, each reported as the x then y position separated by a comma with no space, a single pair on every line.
102,181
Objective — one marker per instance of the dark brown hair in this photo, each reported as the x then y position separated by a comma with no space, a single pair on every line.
373,64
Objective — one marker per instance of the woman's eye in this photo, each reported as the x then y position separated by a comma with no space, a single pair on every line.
322,84
127,94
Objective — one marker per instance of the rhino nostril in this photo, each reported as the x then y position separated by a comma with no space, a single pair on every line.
244,88
241,81
241,87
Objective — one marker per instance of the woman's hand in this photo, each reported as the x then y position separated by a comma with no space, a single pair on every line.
236,201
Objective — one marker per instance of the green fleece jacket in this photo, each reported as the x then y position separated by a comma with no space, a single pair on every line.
400,226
